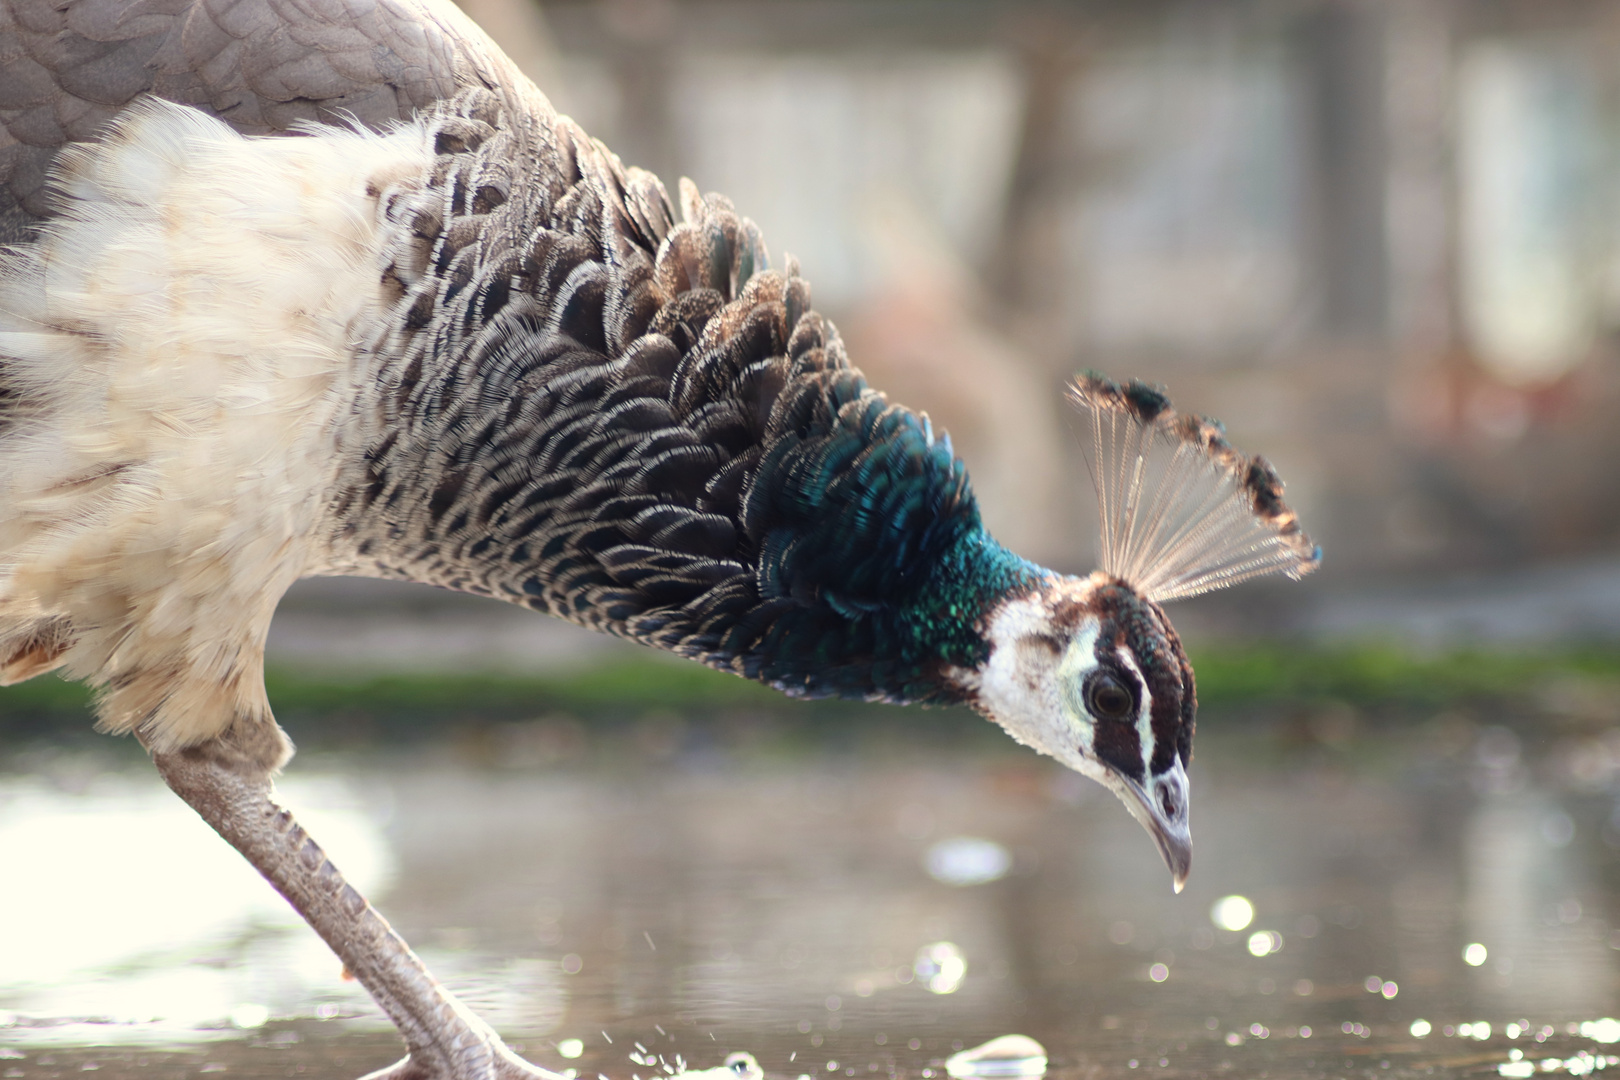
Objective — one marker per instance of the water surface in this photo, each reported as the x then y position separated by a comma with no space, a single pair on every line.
656,903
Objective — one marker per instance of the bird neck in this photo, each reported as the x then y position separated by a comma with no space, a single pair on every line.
578,405
947,620
872,564
912,645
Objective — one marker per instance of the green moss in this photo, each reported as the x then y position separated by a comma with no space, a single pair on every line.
633,685
47,695
370,705
1387,673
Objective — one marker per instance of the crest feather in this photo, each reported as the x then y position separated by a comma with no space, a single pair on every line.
1182,512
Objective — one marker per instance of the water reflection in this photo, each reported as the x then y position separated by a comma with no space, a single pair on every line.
839,909
1525,880
139,913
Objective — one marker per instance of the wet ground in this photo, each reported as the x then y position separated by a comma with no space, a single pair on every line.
1423,893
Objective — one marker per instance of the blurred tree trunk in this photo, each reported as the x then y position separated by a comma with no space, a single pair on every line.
1342,53
1028,273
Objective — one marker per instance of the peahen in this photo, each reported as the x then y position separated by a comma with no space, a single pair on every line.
435,333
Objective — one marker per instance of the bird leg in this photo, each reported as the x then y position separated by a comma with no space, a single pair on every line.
227,780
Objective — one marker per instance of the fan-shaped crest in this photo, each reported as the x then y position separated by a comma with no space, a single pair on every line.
1182,512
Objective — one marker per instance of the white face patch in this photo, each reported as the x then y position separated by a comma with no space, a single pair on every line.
1025,685
1079,660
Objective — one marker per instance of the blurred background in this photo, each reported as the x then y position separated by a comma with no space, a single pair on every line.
1379,239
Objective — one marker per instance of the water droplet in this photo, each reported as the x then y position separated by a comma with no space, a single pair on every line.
249,1016
1475,955
1009,1055
1232,913
940,967
571,1048
967,860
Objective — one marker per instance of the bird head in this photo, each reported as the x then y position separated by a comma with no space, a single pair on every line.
1092,673
1089,670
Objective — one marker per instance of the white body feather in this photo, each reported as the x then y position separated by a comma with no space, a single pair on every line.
185,357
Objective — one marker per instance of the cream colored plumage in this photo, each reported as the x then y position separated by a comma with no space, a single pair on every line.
188,365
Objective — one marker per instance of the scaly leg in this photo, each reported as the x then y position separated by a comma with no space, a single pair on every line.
227,781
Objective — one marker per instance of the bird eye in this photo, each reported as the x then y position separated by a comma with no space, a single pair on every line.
1108,699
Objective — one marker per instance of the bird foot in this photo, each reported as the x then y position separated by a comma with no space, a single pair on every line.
489,1061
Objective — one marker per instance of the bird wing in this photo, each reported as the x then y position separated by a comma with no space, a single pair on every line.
262,66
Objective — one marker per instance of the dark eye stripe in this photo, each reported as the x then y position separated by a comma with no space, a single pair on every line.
1119,742
1120,746
1161,669
1165,722
1140,628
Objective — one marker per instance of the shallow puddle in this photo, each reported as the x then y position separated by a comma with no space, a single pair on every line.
1442,906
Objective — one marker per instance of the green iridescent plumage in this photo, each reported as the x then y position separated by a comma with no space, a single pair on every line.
872,555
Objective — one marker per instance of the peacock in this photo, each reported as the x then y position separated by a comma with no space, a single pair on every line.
324,287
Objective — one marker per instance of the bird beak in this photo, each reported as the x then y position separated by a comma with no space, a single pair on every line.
1161,806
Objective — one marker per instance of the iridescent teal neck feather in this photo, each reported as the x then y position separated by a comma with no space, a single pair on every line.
872,561
639,426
